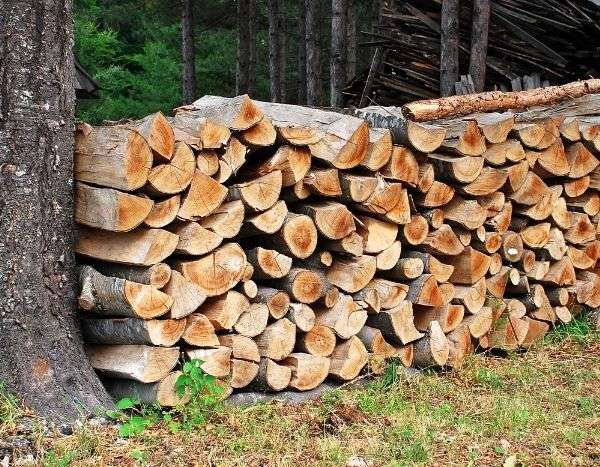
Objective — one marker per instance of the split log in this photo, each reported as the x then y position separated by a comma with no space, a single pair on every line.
352,274
137,362
207,162
297,237
115,157
480,323
319,341
120,297
194,239
271,376
501,221
261,134
243,373
402,166
333,220
433,349
414,232
437,195
379,149
215,362
431,265
269,264
351,244
391,294
203,197
186,295
277,301
457,169
236,113
357,188
259,194
226,220
576,186
293,162
581,161
377,235
536,331
469,266
425,291
465,138
396,324
267,222
253,320
242,347
472,297
348,359
560,273
579,258
443,241
582,230
434,217
426,177
553,160
405,268
162,392
498,154
448,316
224,311
460,346
345,318
200,132
375,343
163,212
277,340
302,285
164,333
302,316
466,213
199,332
141,247
308,371
156,275
175,176
512,247
231,161
488,181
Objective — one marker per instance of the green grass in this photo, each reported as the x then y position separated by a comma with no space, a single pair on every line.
540,407
10,410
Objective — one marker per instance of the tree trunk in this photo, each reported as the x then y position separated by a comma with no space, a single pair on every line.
242,75
314,94
479,42
449,47
276,51
188,77
252,49
351,40
41,354
301,78
339,11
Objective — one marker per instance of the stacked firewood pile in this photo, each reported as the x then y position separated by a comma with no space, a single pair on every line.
557,41
283,245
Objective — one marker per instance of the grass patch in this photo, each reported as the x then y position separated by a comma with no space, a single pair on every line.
10,410
579,330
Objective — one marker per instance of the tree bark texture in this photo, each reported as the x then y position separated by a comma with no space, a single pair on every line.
449,47
243,47
276,51
41,354
351,40
479,42
339,11
188,75
301,79
252,47
314,92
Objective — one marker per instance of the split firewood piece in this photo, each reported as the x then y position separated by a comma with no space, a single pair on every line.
396,324
472,296
457,169
469,266
164,333
414,232
207,162
357,188
501,221
587,290
512,247
480,323
449,317
203,197
535,331
225,221
236,113
120,297
581,161
425,291
379,149
156,275
292,161
157,131
114,156
259,194
466,213
243,373
460,346
308,371
351,244
137,362
200,132
242,347
432,349
368,298
384,198
556,247
405,268
431,265
400,213
590,131
530,134
434,217
447,292
194,239
224,311
492,203
496,263
561,216
488,181
560,273
426,177
163,212
348,359
297,237
377,235
391,293
551,132
187,296
253,320
277,301
319,341
217,272
563,314
496,284
552,161
231,161
215,362
499,154
175,176
323,182
261,134
486,242
302,316
108,209
464,235
271,376
352,274
582,230
267,222
302,285
162,392
557,296
375,343
277,340
437,195
588,203
496,126
199,331
345,318
531,191
465,138
592,249
333,220
402,166
269,264
544,208
579,258
443,241
539,270
569,129
537,235
388,258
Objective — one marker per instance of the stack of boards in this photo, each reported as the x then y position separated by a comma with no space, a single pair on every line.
283,245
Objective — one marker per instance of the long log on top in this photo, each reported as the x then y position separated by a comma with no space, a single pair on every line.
496,101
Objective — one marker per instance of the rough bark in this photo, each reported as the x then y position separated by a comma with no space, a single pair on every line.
314,93
449,47
276,51
188,56
339,11
41,354
479,41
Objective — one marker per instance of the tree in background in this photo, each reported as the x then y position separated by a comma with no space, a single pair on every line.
246,47
449,47
188,55
314,83
479,42
41,352
277,54
339,9
301,74
351,40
